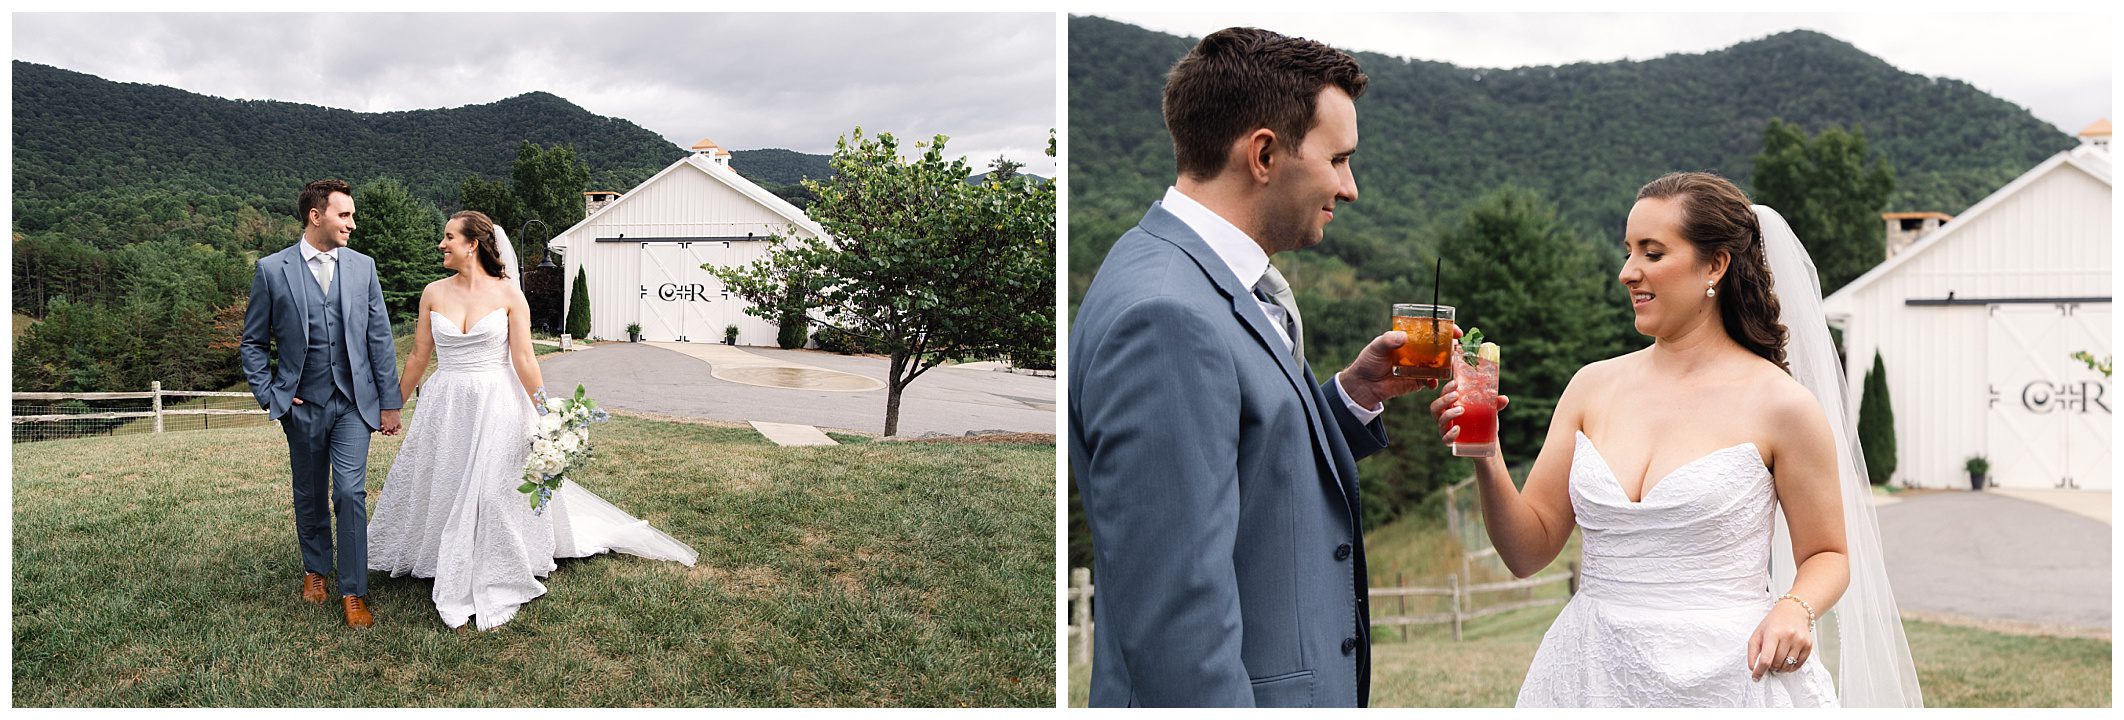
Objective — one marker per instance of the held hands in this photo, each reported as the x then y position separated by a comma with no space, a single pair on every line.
1370,379
390,422
1782,643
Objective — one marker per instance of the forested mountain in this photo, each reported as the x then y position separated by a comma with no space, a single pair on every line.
1582,136
77,133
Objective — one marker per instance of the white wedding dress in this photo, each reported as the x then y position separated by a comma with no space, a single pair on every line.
1671,589
449,509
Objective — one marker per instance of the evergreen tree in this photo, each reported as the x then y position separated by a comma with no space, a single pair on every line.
579,307
1537,292
1876,426
1831,189
399,231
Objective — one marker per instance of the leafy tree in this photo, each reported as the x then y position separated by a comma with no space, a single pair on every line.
1831,189
493,198
548,185
1876,425
400,232
791,326
917,260
579,307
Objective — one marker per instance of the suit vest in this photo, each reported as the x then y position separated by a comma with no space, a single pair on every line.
325,365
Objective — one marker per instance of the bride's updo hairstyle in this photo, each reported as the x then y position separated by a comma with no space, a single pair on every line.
479,229
1716,217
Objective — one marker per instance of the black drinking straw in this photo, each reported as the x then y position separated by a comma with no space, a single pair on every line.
1437,271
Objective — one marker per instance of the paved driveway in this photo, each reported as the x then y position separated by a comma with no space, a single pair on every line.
1989,556
947,400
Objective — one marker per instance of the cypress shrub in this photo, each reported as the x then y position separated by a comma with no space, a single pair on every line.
579,307
1876,427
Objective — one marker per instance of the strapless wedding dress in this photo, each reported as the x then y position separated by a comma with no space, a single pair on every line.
1671,589
449,509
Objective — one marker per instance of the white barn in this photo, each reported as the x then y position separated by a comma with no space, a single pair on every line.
1977,322
642,251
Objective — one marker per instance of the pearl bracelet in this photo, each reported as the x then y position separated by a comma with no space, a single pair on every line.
1803,606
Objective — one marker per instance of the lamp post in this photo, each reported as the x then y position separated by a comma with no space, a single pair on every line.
526,231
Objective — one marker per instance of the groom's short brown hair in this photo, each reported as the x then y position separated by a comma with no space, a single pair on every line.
1239,79
315,194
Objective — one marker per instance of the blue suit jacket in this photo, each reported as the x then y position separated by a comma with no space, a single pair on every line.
276,314
1220,482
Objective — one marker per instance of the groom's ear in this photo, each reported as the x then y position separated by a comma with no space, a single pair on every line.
1259,150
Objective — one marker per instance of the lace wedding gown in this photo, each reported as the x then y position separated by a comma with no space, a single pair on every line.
1671,589
450,510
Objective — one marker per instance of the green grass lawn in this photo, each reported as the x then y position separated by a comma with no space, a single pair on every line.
161,570
1422,666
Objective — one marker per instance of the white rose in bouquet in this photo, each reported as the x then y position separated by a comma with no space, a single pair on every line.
567,442
557,404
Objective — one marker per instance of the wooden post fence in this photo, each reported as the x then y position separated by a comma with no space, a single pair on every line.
1080,616
154,396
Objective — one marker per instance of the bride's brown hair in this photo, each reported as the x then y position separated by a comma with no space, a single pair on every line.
479,229
1716,216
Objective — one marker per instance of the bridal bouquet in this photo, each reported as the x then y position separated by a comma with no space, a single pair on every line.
561,445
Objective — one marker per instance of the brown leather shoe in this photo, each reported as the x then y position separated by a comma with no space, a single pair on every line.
313,588
357,611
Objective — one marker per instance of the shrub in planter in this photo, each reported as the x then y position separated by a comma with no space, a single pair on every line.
634,332
730,333
1978,467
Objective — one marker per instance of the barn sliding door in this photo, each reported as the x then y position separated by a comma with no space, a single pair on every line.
2048,421
676,301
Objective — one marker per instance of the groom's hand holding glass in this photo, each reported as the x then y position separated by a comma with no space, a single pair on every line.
1370,379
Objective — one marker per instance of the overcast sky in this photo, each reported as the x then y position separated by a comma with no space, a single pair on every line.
2056,65
747,81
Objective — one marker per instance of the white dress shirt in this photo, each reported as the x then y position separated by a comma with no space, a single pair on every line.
1248,262
309,259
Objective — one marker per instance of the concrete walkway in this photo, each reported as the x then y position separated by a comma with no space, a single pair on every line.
736,365
790,435
1990,556
2090,504
660,381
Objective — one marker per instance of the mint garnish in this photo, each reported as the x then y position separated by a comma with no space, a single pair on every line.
1470,344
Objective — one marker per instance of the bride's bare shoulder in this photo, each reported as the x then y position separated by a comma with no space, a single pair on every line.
1602,373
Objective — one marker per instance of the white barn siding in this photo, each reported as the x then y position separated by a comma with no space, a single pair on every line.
2050,237
655,237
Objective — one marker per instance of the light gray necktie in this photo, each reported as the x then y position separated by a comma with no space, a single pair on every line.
1279,290
324,272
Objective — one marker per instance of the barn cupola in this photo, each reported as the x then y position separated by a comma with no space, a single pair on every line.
714,153
2096,135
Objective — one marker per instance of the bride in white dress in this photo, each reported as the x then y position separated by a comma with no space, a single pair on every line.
1683,463
450,509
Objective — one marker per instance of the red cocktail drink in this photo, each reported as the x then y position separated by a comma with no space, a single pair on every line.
1477,385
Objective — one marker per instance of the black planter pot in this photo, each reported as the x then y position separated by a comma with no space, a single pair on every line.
1976,481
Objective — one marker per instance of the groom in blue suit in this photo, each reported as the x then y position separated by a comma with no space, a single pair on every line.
1218,475
335,382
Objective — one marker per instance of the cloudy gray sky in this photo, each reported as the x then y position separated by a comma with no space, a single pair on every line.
2056,65
749,81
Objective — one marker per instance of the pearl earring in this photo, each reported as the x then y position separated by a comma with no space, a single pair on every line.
1709,291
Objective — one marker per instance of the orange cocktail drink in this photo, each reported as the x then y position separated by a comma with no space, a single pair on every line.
1428,353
